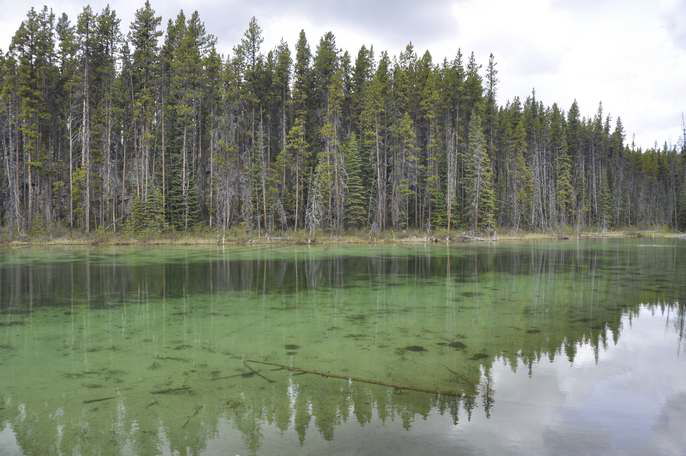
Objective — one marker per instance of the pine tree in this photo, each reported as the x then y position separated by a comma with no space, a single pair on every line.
355,209
472,93
85,29
154,211
332,153
278,185
522,176
480,193
405,173
433,195
96,117
137,219
298,152
107,44
439,213
302,80
33,48
361,75
67,86
175,199
565,190
682,208
605,203
144,35
491,106
374,129
193,214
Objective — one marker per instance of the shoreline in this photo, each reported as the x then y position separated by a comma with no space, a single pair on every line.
344,239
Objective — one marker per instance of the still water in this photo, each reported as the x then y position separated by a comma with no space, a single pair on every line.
564,348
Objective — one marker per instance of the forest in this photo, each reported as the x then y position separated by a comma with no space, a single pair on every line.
156,131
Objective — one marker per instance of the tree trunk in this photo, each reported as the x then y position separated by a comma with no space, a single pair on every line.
85,146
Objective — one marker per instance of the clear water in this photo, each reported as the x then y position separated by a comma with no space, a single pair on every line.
562,348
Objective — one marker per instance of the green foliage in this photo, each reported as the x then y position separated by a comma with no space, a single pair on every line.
355,208
682,208
137,220
286,138
479,177
175,199
154,211
147,215
298,157
79,187
605,204
406,171
565,190
439,213
193,217
523,177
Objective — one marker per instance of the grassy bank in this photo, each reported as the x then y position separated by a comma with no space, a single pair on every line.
243,237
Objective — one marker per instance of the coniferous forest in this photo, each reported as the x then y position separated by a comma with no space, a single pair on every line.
155,130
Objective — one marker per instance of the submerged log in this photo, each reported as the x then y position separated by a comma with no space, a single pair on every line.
355,379
245,363
459,377
190,417
171,358
180,389
100,399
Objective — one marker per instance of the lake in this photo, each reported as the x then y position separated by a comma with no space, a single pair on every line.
559,348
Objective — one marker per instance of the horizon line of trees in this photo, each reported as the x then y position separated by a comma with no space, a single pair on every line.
156,130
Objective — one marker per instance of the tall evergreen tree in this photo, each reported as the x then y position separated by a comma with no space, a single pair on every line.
97,128
356,196
682,208
480,193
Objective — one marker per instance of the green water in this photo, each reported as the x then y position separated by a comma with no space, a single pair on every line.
532,348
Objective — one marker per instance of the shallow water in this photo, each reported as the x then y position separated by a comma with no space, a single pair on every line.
532,348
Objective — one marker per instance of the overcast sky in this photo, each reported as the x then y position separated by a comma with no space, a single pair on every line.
629,54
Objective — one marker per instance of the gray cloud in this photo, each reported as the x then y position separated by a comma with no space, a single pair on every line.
395,22
401,20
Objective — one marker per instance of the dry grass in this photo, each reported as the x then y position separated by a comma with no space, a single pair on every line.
238,236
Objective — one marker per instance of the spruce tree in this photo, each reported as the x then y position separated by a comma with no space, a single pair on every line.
523,179
144,35
175,200
154,211
137,219
67,86
405,172
682,207
479,177
33,47
97,117
298,153
193,213
439,213
356,196
565,190
605,208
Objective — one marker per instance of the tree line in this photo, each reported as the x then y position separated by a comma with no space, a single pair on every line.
155,130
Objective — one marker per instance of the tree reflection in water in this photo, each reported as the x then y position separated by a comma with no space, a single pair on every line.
111,351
